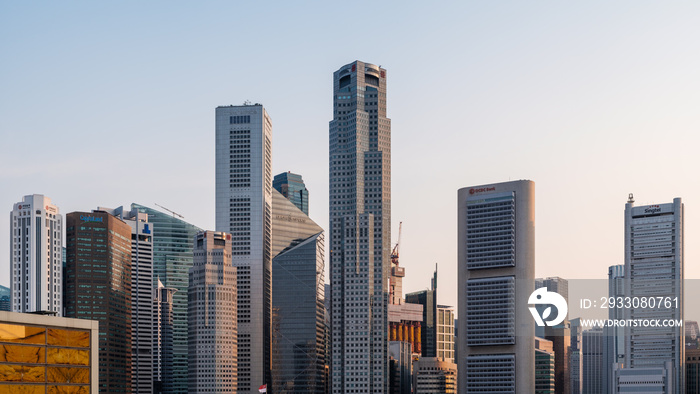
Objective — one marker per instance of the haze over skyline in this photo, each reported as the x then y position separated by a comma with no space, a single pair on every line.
105,104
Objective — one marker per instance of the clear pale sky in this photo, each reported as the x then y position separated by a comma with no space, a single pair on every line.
109,103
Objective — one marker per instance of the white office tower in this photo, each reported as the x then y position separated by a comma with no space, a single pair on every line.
360,225
243,209
654,268
142,318
36,243
496,275
211,303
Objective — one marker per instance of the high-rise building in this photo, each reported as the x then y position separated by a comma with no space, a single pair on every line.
692,371
654,241
613,337
576,357
428,334
98,287
433,375
360,228
141,297
692,334
172,259
657,379
163,330
400,366
496,260
559,335
445,333
212,315
47,354
35,249
244,210
544,366
293,188
5,299
592,351
298,335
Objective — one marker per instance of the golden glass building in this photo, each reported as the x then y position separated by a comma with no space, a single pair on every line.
47,354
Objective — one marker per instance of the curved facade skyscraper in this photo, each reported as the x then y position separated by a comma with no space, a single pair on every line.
360,226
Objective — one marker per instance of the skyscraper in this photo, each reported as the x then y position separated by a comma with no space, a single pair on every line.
559,335
613,337
428,334
496,260
244,210
212,337
299,349
163,330
98,287
592,352
35,248
293,188
360,226
445,333
654,240
141,297
172,259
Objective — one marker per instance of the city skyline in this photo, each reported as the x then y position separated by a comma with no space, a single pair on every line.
580,104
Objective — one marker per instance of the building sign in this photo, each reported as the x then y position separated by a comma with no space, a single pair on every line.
482,190
90,219
290,218
145,229
50,209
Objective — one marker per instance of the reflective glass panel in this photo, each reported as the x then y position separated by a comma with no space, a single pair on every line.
20,373
22,334
68,375
67,356
73,338
22,354
23,389
68,389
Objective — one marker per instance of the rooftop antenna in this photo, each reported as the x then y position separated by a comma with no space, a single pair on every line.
171,211
630,199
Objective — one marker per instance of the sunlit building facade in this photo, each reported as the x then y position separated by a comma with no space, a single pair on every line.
496,275
244,210
360,228
36,241
213,336
47,354
98,287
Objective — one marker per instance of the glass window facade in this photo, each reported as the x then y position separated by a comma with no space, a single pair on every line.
36,359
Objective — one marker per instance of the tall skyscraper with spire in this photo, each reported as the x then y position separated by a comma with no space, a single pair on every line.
360,225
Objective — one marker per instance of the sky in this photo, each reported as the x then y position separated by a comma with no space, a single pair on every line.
109,103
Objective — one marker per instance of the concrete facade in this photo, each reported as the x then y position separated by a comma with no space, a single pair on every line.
213,342
360,228
494,284
36,241
244,210
654,256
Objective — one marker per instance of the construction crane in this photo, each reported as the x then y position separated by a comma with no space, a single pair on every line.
173,212
395,251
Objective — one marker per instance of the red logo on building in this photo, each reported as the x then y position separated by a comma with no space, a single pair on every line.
383,73
353,68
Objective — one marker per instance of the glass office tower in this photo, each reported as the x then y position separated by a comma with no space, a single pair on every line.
293,188
172,259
